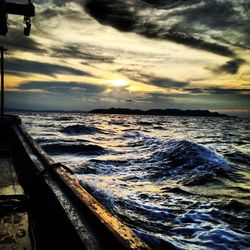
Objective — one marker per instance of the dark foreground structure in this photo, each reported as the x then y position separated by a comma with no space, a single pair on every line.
61,213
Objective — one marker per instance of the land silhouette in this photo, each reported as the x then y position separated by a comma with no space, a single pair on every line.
124,111
162,112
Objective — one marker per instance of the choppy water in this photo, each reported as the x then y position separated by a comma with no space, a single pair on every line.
176,181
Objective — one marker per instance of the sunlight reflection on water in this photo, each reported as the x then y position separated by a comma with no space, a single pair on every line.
183,180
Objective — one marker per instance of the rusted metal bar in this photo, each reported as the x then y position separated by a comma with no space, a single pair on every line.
20,9
2,80
26,10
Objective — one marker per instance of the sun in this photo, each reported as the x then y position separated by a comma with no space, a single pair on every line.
118,82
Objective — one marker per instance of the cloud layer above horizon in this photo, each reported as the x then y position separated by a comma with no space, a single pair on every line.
131,53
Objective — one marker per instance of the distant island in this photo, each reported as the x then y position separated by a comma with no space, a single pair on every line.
162,112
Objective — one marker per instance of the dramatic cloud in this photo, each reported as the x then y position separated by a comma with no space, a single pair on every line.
88,54
193,23
18,67
115,13
195,90
220,91
62,87
16,41
163,82
170,3
167,83
231,67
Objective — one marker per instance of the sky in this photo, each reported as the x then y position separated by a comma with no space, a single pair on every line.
87,54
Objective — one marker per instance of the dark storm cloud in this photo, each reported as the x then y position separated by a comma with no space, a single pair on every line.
152,31
62,87
58,10
185,22
217,15
115,13
19,67
167,83
207,98
170,3
220,91
16,41
148,79
48,13
230,67
76,51
195,90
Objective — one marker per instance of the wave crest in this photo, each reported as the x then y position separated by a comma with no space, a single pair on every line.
79,149
79,129
175,158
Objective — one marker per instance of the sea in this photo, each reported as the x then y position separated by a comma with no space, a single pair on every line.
177,182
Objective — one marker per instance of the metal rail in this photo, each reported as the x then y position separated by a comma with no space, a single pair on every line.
26,10
20,9
2,81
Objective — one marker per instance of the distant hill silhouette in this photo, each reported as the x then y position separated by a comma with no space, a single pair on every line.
163,112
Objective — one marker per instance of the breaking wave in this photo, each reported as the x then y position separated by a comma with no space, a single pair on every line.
185,158
62,148
79,129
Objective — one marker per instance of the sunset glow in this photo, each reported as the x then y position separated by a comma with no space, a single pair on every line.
202,65
118,82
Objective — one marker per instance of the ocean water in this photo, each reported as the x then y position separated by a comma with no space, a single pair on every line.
180,182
